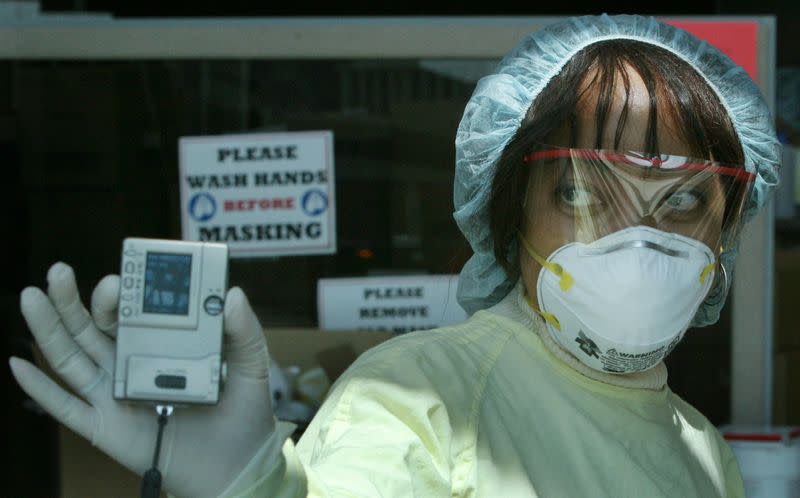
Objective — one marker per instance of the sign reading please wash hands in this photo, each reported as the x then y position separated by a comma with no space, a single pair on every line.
265,194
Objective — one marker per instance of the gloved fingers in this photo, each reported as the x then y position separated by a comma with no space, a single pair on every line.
245,345
57,346
64,407
63,292
105,300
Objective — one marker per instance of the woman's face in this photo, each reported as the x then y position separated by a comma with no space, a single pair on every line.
556,199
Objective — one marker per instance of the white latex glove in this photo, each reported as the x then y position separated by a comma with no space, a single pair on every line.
204,449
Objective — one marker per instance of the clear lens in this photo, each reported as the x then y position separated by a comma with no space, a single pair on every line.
581,195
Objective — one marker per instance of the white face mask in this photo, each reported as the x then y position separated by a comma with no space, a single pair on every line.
622,303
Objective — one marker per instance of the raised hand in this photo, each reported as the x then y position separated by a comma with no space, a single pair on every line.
204,448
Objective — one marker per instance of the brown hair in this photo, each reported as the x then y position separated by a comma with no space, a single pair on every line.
685,98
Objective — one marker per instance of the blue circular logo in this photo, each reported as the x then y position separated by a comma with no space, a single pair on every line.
202,207
314,202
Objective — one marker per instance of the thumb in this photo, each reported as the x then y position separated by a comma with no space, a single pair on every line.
245,345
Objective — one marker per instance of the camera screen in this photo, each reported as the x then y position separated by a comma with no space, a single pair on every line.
166,284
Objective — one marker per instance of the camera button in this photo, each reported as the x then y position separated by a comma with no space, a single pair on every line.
213,305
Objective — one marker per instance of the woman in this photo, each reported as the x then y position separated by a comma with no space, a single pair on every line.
597,242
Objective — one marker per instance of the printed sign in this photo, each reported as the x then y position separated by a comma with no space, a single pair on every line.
266,194
394,304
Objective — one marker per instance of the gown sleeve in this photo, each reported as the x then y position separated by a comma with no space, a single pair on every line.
383,431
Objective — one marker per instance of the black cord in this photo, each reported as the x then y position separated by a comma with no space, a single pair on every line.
151,481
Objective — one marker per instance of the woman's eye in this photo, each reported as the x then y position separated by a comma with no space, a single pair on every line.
577,197
683,202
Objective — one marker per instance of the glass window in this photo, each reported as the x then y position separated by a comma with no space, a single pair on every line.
96,148
98,152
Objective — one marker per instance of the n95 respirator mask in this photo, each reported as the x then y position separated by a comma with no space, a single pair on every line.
621,303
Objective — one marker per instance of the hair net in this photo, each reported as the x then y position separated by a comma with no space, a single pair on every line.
499,104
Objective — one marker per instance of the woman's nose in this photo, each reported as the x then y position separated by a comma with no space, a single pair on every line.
649,221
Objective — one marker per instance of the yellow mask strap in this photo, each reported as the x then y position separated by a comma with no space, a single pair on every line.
566,280
709,268
706,272
548,317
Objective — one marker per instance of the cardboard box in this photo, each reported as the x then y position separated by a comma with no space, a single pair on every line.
308,348
86,472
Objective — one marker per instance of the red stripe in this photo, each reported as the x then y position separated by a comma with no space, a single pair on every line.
738,174
760,437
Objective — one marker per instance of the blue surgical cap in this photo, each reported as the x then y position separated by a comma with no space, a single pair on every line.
501,100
